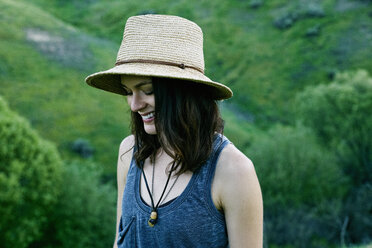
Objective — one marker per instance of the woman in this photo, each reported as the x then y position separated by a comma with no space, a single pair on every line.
181,183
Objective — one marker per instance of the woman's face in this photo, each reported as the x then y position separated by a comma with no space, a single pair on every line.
141,99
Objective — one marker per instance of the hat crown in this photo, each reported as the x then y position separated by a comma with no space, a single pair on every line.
162,38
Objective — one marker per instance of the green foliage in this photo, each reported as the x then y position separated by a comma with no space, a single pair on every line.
48,50
83,148
30,171
294,170
362,246
38,209
358,209
302,187
85,215
340,113
300,227
46,60
264,66
238,127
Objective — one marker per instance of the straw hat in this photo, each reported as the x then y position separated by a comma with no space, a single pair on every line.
159,46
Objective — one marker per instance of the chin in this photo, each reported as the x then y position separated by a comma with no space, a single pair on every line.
150,129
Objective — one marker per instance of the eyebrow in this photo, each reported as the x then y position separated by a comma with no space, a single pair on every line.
139,85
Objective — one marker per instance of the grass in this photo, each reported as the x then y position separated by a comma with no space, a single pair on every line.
244,49
45,82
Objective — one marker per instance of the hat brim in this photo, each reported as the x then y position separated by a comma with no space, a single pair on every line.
110,80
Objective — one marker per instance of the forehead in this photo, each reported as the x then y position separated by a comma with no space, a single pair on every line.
134,81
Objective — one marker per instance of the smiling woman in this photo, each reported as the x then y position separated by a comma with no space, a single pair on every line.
181,182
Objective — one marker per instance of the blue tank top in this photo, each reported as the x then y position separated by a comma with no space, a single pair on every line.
191,220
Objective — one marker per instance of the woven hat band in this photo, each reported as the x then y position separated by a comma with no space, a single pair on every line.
144,61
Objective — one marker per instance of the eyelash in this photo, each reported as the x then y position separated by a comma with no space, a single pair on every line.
146,93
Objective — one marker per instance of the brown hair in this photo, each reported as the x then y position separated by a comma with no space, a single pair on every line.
186,120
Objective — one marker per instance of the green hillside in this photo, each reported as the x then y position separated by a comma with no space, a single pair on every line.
265,50
43,65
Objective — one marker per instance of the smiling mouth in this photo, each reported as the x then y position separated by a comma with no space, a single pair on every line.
148,117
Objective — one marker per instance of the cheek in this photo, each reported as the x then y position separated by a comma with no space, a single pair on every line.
129,100
153,101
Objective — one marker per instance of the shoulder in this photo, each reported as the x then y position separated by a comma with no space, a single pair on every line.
235,177
240,198
125,157
126,144
232,162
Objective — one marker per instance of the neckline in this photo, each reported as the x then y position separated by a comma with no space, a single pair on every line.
165,209
167,206
164,204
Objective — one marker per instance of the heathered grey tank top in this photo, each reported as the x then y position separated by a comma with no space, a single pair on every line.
191,220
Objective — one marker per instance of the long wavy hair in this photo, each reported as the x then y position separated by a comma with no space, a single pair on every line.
186,121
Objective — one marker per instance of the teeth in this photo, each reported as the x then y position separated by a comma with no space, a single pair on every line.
148,116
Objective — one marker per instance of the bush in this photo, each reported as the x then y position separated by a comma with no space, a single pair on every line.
314,10
83,148
294,170
30,171
297,227
285,20
358,210
340,114
302,187
86,212
37,208
255,3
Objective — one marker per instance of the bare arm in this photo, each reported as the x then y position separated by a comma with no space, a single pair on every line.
124,159
239,194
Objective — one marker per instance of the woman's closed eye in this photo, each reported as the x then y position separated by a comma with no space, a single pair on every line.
141,88
146,92
149,92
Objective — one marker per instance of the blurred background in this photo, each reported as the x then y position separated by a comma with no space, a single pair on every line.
301,72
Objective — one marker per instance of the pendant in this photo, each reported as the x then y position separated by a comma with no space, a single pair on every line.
153,218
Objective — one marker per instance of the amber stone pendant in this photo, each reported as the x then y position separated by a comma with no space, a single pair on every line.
153,218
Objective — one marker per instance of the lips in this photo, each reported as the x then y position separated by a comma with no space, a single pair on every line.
148,117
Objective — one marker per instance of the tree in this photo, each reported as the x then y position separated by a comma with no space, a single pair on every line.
340,113
30,172
294,169
86,212
302,186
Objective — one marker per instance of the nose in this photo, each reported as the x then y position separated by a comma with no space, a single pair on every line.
136,102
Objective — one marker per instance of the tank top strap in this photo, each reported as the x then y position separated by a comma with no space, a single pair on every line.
219,144
133,161
207,172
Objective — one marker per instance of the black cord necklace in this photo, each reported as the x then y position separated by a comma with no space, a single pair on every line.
154,209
